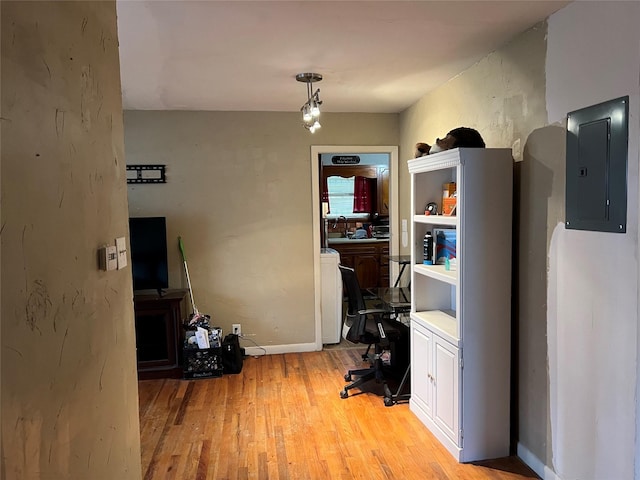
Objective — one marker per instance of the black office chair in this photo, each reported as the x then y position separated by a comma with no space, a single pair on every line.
371,327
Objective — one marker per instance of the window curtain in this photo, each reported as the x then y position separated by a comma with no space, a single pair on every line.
362,195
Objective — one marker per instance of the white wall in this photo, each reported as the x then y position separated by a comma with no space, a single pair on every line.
593,56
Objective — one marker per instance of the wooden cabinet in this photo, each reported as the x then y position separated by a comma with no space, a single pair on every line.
159,334
368,259
383,191
383,276
461,316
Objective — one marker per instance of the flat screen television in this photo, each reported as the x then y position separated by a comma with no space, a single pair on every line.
149,253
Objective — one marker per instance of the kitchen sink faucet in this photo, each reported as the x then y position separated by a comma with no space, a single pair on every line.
346,224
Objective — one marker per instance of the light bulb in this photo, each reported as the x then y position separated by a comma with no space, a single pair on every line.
312,128
315,110
306,114
316,125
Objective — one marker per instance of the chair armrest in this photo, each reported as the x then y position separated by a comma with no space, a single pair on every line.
373,310
384,340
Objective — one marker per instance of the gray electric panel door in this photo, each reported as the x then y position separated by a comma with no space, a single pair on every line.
597,139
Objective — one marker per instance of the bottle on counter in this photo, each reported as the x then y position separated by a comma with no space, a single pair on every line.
428,249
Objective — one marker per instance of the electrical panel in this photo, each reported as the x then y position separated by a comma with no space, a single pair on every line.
597,148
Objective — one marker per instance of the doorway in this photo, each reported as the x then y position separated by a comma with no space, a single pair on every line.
394,243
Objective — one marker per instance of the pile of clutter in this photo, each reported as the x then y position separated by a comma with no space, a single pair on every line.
200,334
202,354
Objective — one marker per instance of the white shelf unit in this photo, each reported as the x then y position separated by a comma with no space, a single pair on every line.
461,319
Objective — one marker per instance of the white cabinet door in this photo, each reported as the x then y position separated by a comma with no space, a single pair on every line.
446,388
421,369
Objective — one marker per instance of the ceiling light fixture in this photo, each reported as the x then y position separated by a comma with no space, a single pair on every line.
311,109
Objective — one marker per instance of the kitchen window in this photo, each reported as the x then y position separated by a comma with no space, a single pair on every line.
342,199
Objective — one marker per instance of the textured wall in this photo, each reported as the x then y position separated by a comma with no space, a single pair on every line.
69,389
239,194
576,292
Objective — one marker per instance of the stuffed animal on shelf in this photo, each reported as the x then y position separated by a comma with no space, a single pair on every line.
458,137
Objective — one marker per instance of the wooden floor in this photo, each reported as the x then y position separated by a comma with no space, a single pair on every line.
282,418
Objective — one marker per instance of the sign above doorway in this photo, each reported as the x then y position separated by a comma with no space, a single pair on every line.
345,159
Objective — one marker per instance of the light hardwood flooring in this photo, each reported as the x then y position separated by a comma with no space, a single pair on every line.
282,418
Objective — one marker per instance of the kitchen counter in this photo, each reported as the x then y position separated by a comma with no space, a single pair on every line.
337,241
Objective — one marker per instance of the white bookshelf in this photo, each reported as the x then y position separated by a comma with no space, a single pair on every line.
461,318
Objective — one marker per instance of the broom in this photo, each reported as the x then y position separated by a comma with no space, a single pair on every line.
196,314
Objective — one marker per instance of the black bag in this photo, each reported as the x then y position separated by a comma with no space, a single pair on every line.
231,354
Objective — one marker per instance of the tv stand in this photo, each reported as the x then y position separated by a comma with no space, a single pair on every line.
159,336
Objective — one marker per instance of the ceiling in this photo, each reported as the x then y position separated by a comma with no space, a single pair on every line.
375,56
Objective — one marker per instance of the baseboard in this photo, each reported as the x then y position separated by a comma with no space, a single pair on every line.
275,349
535,464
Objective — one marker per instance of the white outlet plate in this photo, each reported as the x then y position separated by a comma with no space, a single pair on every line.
121,245
236,329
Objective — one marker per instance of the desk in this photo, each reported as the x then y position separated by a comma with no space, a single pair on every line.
403,260
398,300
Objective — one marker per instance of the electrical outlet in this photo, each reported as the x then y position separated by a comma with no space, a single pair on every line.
237,330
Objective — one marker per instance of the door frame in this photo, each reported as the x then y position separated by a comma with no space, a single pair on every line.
394,221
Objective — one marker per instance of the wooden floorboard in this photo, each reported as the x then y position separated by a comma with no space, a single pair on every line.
282,418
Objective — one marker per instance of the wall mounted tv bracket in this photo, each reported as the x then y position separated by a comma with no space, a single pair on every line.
146,174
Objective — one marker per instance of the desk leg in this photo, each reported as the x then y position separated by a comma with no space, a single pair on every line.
393,398
404,265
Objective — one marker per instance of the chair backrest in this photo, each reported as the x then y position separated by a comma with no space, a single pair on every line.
354,322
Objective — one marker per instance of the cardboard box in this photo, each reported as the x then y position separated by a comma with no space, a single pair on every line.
449,198
449,206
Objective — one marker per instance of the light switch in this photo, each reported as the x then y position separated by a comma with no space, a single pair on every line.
121,245
108,258
405,234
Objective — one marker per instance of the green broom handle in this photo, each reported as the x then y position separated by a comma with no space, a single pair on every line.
181,246
186,269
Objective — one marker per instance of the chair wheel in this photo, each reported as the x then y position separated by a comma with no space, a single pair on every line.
347,377
344,394
388,402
